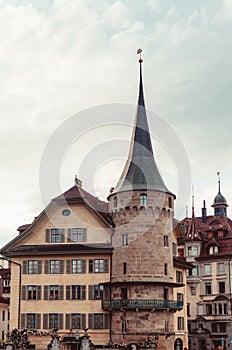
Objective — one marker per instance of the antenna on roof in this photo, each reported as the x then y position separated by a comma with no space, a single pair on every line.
219,181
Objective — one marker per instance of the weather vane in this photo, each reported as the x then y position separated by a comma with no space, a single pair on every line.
139,52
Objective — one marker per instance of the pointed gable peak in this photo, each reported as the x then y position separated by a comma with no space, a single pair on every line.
193,233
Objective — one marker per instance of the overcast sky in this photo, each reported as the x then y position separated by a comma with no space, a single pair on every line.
59,57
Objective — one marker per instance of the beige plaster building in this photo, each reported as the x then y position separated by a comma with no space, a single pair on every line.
113,267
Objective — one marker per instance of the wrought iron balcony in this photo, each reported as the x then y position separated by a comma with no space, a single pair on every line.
142,304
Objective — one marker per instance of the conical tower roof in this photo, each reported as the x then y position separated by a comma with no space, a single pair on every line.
193,233
140,171
219,203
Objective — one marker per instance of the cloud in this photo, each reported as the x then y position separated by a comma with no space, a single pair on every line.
59,57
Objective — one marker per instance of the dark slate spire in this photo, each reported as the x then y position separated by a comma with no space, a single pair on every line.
193,234
140,171
219,203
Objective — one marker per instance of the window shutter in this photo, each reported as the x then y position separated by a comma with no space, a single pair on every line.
83,266
47,236
68,266
45,321
46,266
45,293
39,266
23,321
60,321
38,293
38,321
61,292
91,266
84,234
91,292
24,292
83,321
67,321
25,267
61,266
105,321
62,236
90,321
106,267
68,289
83,293
69,239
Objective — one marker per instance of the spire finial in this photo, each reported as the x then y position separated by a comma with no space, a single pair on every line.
139,52
219,182
193,214
77,181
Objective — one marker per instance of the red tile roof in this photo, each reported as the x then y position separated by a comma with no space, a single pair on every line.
78,194
216,231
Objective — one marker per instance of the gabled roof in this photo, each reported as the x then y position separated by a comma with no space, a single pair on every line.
74,195
77,194
215,231
193,233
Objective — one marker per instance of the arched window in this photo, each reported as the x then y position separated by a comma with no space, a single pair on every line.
115,202
143,199
170,202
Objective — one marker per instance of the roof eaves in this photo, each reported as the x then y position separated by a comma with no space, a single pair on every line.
19,237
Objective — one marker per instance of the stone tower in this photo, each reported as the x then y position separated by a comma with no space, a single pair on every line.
140,294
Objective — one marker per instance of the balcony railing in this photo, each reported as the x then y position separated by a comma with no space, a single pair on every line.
142,304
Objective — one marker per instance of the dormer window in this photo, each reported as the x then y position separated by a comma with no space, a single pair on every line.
193,250
220,234
213,250
143,199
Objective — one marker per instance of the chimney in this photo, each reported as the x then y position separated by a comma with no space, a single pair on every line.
203,212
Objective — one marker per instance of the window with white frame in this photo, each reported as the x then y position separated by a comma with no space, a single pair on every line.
207,269
220,268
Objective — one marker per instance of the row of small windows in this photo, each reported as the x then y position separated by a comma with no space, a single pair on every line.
59,235
142,200
221,288
72,266
219,327
213,309
207,270
72,321
56,292
194,250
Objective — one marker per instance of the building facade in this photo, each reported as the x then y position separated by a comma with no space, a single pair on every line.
208,245
5,279
113,268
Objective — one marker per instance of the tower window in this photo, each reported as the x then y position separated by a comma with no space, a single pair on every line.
124,268
125,239
170,202
166,241
165,269
143,199
115,202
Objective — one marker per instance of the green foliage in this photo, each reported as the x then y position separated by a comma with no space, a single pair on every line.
19,339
